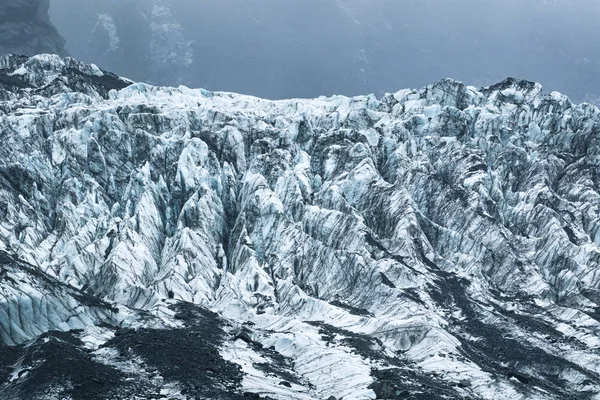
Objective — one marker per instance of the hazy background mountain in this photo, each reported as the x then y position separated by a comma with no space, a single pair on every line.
26,29
306,48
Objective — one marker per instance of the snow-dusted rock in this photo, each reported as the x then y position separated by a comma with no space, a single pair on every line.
441,242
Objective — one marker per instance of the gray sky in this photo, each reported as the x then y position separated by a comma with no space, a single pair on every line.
306,48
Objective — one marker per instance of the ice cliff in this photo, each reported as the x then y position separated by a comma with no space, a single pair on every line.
164,242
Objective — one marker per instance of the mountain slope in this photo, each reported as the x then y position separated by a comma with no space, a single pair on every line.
25,28
433,243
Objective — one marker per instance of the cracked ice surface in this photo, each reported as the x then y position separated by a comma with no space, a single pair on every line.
441,241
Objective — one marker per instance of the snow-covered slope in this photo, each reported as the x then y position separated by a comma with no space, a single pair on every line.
433,243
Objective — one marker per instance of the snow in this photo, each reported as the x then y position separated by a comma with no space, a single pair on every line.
256,381
108,24
395,222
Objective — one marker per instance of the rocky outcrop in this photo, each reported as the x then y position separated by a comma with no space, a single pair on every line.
433,243
25,28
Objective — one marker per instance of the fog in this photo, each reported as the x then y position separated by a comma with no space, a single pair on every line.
306,48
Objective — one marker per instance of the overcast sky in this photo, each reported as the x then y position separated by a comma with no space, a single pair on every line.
307,48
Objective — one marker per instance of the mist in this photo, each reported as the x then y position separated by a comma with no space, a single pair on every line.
306,48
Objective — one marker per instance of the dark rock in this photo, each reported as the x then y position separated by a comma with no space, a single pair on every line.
521,378
124,331
244,336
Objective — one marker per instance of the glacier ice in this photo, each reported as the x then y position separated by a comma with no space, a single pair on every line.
440,242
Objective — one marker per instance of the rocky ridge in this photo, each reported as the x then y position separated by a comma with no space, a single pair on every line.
179,243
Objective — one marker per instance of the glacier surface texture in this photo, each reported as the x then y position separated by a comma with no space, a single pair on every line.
440,243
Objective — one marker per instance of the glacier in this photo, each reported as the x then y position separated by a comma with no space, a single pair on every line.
178,243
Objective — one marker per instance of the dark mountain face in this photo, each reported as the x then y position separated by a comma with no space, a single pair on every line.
25,28
308,48
439,243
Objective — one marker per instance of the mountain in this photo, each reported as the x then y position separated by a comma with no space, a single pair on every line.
226,44
173,243
25,28
307,48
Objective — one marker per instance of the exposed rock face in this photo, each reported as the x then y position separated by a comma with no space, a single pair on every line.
25,28
434,243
